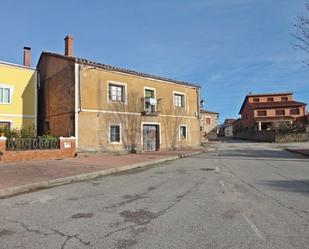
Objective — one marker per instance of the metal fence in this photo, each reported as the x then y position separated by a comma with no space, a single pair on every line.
31,144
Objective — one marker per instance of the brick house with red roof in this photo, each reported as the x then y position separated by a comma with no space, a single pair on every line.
260,111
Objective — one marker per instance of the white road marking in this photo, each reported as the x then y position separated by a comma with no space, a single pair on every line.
253,226
211,149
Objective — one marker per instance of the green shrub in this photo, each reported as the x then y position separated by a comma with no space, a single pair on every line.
285,127
24,132
48,137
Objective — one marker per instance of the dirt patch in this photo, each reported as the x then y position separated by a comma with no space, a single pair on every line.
181,171
207,169
95,184
152,188
5,232
230,214
125,243
72,199
130,197
139,217
82,215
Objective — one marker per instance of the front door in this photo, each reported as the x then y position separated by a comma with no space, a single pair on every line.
150,137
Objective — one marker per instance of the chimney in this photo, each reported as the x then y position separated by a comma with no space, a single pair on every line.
27,56
68,46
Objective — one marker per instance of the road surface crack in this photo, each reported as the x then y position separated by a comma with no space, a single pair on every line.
68,237
280,203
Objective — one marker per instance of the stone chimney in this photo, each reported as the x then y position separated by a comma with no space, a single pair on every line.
68,46
27,56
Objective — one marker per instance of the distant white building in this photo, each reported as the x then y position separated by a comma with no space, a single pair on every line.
228,127
228,131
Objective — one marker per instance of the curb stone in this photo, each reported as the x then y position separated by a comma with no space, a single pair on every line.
86,176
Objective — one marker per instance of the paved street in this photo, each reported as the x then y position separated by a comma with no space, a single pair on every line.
238,195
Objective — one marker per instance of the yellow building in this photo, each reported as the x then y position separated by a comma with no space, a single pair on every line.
18,93
115,109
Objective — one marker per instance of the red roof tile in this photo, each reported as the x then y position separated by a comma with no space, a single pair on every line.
262,105
206,111
117,69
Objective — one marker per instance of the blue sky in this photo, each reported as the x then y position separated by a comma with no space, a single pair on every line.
229,47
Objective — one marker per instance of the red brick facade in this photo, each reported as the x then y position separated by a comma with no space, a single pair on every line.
66,150
260,111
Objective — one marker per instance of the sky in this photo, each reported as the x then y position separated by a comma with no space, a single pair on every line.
228,47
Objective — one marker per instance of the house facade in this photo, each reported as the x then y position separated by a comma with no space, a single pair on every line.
114,109
260,111
228,127
208,124
209,121
18,94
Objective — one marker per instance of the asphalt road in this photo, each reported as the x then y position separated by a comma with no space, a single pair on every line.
239,195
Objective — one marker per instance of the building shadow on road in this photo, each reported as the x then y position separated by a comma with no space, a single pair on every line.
300,186
254,154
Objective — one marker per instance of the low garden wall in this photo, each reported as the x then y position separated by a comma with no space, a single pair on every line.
292,137
272,136
65,149
263,136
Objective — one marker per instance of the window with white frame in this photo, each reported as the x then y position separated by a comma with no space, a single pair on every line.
179,100
116,92
5,95
114,133
183,132
149,100
5,124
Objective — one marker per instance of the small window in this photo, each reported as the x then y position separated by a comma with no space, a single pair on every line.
207,121
183,132
114,134
5,95
261,113
284,98
280,112
149,101
256,100
294,111
270,99
179,100
47,125
116,92
6,125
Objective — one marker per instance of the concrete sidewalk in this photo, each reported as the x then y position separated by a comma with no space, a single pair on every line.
16,178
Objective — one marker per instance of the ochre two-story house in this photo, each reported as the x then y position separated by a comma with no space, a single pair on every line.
113,109
18,94
260,111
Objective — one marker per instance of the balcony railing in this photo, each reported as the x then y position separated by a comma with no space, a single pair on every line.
149,106
16,144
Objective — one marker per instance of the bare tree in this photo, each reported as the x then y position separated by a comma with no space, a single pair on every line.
301,33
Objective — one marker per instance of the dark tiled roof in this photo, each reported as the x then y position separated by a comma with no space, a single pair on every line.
276,104
118,69
229,121
206,111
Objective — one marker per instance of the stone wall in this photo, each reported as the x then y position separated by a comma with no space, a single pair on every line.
66,150
263,136
271,136
293,137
